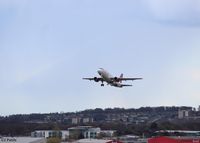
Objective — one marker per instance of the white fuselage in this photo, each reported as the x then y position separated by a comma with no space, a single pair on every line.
108,77
105,75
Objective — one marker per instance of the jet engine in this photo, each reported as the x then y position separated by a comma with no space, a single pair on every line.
116,79
96,79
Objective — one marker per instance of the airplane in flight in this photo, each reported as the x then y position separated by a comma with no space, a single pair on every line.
111,80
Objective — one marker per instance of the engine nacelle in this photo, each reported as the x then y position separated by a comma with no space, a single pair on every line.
116,79
96,79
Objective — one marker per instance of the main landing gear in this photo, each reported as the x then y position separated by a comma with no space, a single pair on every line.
102,83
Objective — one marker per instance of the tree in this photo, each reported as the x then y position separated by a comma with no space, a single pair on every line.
54,140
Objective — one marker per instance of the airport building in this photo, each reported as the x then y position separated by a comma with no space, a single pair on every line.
89,132
74,133
83,132
92,133
63,134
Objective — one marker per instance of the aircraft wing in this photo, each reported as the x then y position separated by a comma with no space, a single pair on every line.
122,78
129,79
94,78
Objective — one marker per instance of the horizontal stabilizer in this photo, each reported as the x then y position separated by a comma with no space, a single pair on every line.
126,85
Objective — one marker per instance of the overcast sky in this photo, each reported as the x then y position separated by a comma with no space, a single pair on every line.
47,46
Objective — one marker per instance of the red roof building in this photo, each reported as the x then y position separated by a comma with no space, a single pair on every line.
174,140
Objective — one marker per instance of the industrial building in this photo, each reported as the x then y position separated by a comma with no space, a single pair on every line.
89,132
174,140
175,136
50,133
183,133
83,132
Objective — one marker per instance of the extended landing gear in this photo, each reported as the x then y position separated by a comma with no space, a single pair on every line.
102,84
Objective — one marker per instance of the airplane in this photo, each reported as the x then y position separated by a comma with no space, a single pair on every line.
111,80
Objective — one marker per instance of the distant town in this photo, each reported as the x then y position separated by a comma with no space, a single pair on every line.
110,123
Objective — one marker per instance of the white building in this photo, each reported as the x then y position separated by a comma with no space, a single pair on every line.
91,133
86,120
83,131
183,114
64,134
76,120
108,133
